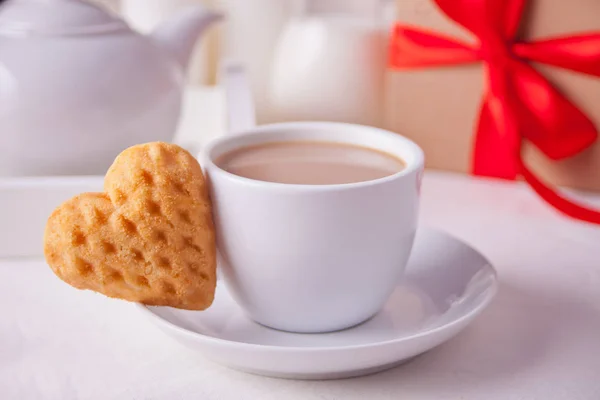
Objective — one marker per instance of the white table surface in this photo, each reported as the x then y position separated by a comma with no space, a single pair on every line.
540,338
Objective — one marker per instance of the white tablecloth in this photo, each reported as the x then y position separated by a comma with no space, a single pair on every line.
540,338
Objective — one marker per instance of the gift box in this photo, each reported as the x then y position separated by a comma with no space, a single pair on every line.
447,56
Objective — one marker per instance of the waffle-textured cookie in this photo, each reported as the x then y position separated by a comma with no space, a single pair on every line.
148,238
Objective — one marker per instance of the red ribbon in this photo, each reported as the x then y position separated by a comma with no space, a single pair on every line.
518,102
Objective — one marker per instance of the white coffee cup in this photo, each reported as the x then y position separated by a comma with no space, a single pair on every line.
314,258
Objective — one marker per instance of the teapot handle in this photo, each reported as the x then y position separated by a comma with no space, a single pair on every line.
241,114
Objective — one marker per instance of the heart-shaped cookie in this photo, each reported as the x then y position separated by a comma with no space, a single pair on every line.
148,238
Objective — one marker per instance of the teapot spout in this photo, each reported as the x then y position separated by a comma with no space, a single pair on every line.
179,34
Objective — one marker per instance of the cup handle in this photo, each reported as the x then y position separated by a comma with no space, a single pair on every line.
241,114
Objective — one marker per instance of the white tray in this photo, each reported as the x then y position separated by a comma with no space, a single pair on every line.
26,204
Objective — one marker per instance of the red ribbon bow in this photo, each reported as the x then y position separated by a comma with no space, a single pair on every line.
519,102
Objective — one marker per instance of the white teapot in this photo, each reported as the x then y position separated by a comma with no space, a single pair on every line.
77,85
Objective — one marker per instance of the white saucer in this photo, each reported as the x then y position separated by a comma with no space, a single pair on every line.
447,285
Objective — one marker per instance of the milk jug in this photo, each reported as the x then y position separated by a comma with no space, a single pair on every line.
329,63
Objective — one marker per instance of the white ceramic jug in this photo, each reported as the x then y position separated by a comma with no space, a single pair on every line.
77,85
330,63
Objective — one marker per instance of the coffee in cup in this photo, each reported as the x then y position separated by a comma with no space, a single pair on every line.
310,163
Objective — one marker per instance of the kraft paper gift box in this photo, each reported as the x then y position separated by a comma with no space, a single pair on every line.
439,106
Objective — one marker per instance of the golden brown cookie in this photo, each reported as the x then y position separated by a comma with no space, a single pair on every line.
148,238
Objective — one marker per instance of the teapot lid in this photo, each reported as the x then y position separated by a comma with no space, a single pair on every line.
56,17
